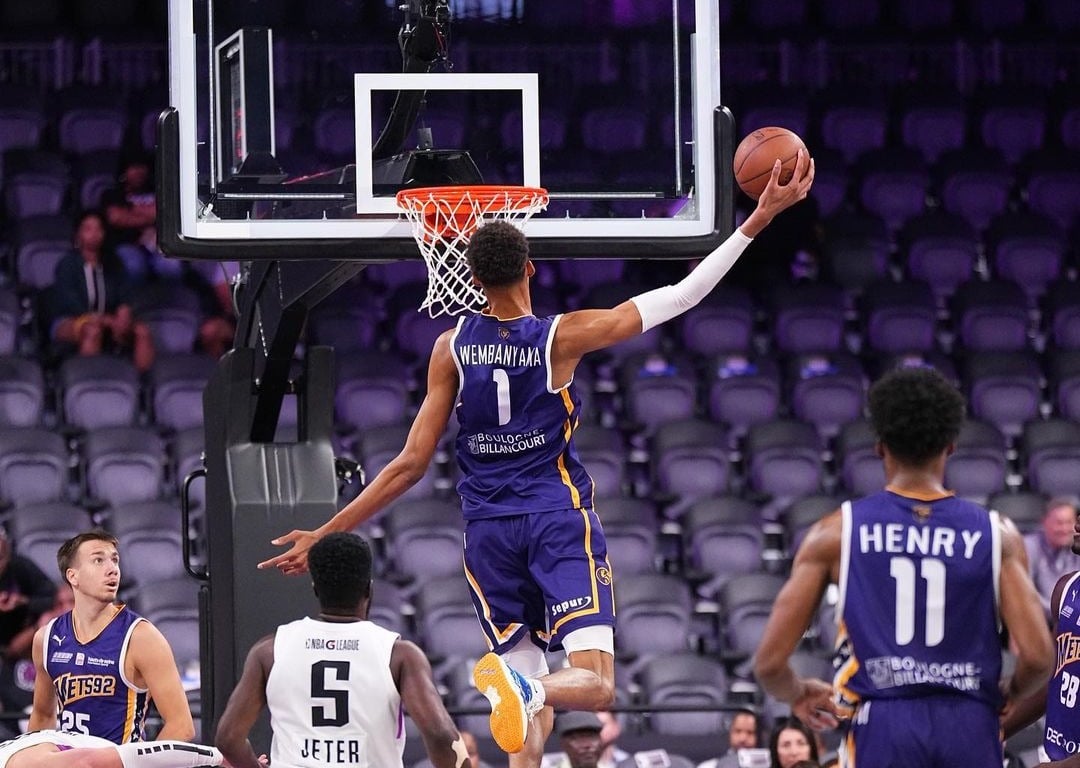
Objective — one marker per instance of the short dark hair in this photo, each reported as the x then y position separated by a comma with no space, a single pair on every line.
65,556
340,565
917,413
497,254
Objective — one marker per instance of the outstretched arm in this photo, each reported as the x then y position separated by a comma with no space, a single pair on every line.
791,615
412,673
587,330
403,471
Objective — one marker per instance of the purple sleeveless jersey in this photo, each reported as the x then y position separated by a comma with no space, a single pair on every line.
94,695
919,644
1062,737
535,553
515,447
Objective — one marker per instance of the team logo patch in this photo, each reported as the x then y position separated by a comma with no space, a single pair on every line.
922,512
603,575
504,332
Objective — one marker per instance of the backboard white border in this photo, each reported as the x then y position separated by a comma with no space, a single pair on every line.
695,222
365,84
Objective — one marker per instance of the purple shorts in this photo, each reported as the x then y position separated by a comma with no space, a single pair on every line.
941,731
545,574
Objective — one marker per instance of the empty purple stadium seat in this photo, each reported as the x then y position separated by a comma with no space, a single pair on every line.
1050,451
899,317
743,390
1004,388
991,316
975,184
808,317
942,250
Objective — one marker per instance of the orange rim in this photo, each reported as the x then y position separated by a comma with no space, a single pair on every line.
485,193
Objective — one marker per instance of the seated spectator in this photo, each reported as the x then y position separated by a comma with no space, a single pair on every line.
791,741
25,594
90,294
130,210
1049,550
17,672
581,741
742,734
214,281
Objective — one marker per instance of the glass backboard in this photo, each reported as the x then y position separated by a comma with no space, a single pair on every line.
294,125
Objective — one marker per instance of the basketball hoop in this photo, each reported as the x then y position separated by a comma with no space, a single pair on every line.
444,218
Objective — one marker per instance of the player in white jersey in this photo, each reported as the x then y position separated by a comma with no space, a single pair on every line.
56,749
339,693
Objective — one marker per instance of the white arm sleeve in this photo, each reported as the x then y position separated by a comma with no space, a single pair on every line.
662,304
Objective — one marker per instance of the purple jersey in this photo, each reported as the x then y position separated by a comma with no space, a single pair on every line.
1062,737
94,695
515,446
918,607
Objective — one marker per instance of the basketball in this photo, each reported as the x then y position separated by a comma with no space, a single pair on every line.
756,153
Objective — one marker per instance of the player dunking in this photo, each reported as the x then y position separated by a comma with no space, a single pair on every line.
335,685
100,664
925,581
55,749
535,555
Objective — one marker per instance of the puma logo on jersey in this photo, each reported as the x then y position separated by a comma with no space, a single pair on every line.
58,638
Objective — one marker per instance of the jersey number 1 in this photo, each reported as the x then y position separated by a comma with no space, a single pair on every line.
502,394
902,569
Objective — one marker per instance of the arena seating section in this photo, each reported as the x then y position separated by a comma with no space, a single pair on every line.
947,138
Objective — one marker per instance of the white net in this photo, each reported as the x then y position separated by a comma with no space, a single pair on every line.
443,219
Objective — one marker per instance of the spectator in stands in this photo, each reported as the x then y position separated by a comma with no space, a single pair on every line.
25,594
792,740
90,296
742,734
1049,550
17,673
215,283
580,736
131,213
